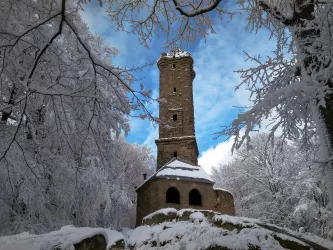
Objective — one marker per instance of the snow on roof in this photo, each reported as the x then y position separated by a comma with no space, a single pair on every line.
222,189
180,169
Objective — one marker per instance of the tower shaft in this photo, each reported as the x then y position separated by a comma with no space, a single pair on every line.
176,131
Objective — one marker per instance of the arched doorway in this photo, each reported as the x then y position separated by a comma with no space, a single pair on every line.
194,198
172,196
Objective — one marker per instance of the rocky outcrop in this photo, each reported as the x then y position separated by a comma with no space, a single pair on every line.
220,229
96,242
171,229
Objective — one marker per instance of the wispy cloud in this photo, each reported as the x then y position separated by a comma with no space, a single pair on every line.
215,97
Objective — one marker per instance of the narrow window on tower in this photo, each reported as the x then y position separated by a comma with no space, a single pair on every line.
175,154
174,90
174,117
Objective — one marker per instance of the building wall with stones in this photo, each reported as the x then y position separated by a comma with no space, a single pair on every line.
153,197
181,147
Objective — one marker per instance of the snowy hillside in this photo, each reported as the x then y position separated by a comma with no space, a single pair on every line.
171,229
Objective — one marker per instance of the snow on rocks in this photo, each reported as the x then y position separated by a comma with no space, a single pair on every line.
68,237
171,214
234,222
165,211
205,229
197,217
114,238
186,229
142,235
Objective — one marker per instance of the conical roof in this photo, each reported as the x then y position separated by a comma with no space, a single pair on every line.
180,169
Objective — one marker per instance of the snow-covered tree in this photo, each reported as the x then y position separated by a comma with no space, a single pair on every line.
293,88
130,162
279,185
60,96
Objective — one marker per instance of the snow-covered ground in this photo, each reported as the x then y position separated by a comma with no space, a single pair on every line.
65,238
188,230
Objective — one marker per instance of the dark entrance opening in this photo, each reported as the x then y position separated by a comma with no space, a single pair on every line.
174,154
172,196
194,197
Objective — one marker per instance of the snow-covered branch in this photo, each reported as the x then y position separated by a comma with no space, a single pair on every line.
181,22
196,10
60,99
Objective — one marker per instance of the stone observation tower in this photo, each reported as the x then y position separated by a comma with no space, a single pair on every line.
176,133
178,182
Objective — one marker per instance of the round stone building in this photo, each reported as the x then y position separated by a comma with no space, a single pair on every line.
178,182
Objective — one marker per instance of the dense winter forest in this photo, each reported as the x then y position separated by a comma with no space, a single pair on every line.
64,109
279,184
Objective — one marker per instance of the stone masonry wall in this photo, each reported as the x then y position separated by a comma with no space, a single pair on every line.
186,149
152,196
176,77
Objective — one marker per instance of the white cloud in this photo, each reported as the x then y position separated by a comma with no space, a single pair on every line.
220,154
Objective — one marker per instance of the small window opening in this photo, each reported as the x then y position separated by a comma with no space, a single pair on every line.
173,65
174,90
175,154
194,197
172,196
174,117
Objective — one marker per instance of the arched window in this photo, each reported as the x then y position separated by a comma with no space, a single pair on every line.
172,196
194,198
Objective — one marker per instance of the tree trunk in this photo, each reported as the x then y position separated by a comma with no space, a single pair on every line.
305,37
326,142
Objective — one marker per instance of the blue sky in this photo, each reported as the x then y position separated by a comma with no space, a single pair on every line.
215,60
